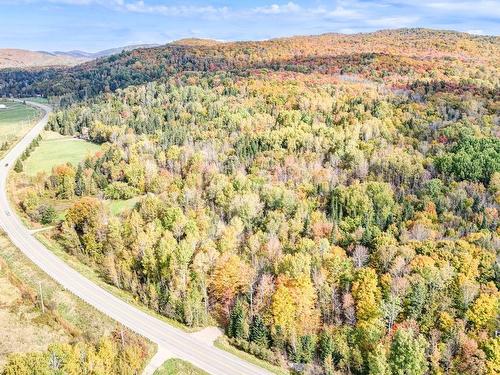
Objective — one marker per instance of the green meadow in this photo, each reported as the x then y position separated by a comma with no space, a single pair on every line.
55,149
15,120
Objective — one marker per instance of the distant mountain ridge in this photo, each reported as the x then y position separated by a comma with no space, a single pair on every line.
19,58
104,53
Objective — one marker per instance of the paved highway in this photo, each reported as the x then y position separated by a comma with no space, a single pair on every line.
171,341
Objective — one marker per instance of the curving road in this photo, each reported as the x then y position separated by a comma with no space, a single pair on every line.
171,341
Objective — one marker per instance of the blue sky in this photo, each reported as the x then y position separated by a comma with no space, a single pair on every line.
94,25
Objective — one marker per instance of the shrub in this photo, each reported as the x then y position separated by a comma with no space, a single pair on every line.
47,214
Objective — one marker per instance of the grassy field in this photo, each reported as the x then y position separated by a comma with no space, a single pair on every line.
23,326
176,366
15,120
116,207
56,149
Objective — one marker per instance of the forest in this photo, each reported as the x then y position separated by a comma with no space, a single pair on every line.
331,202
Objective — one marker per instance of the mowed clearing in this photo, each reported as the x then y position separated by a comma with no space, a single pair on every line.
116,207
15,120
55,149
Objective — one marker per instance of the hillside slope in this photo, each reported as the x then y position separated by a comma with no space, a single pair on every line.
331,201
397,57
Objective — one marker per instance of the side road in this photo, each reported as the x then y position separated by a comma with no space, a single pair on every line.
171,341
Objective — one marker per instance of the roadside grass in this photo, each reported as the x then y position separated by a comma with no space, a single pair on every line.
176,366
223,344
15,121
37,99
24,327
55,150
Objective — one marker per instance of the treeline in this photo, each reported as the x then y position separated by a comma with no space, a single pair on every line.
119,353
335,226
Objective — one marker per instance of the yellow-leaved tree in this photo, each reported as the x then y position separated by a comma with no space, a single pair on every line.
294,306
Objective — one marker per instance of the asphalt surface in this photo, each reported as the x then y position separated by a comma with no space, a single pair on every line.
171,341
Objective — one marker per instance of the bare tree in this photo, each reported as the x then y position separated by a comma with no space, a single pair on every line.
391,308
360,256
349,310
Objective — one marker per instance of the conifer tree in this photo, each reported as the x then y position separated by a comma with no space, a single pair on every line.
259,334
236,327
18,167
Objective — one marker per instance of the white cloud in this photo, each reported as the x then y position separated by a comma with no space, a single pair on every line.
183,10
480,16
278,9
342,12
139,6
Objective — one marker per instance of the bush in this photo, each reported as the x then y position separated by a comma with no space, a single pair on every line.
254,349
30,204
18,167
47,214
120,190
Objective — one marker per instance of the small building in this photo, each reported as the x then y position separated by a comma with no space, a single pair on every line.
3,106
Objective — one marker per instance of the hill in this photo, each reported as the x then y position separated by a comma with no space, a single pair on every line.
104,53
331,201
195,42
397,57
18,58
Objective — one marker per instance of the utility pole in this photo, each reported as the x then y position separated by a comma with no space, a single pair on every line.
41,297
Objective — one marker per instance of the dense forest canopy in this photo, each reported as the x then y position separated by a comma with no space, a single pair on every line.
332,202
396,56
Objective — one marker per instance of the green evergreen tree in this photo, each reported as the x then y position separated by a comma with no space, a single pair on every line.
259,334
47,214
325,346
236,327
79,181
18,167
307,348
416,299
